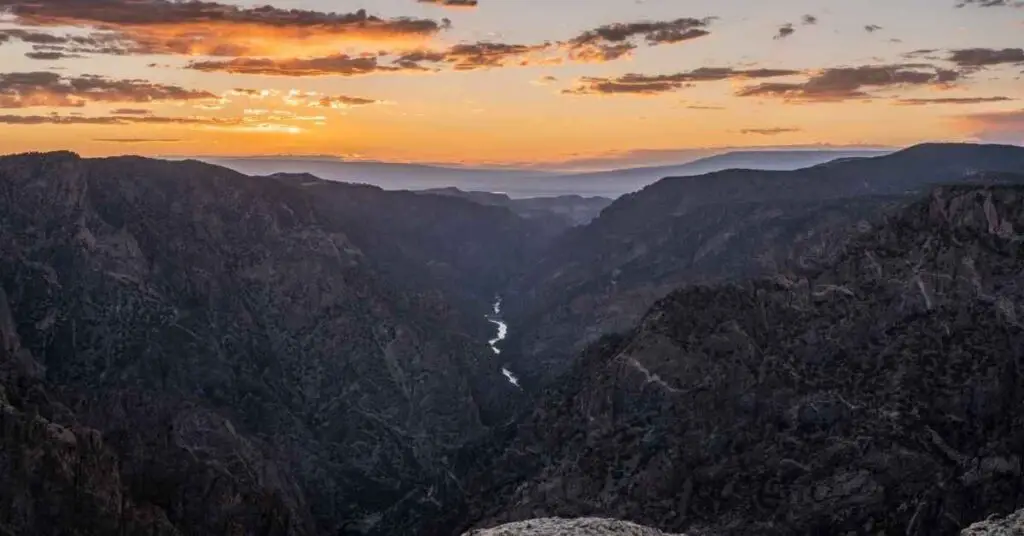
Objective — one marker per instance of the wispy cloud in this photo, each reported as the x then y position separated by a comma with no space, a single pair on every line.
852,83
23,90
337,65
986,57
951,100
775,131
613,41
990,3
642,84
459,4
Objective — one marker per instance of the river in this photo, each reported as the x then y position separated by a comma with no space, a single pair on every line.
495,319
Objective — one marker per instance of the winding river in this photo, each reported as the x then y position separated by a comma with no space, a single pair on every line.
495,319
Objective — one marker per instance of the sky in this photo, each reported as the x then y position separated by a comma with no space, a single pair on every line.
505,82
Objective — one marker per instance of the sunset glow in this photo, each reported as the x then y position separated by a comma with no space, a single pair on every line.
504,82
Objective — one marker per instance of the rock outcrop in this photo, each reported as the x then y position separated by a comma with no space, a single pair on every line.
882,393
590,526
1011,525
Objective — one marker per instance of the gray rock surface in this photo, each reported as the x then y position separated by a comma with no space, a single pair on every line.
1011,525
554,526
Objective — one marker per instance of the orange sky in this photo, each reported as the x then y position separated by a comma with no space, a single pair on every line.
506,82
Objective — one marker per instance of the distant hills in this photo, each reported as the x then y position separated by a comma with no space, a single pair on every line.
517,183
562,211
727,225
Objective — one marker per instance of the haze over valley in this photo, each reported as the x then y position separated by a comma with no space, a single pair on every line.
511,268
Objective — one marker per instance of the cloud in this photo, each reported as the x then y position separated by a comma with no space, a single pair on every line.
990,3
344,101
131,111
872,28
850,83
138,140
785,31
215,29
451,3
951,100
639,84
22,90
483,55
809,19
613,41
336,65
1004,127
986,57
54,119
769,131
51,56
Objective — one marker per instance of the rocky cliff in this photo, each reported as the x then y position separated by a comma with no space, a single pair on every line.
882,393
724,226
214,353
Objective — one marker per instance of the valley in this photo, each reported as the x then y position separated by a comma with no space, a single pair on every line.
185,349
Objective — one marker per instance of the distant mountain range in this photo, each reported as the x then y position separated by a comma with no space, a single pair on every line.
517,183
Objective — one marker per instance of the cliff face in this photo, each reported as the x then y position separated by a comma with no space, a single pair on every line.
882,393
725,226
259,354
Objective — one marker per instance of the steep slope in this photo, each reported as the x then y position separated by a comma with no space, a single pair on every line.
239,340
883,393
723,226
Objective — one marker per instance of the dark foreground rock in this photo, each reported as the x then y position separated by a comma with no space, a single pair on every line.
202,352
881,394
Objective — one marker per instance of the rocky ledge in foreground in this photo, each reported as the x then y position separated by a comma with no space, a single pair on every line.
1011,525
555,526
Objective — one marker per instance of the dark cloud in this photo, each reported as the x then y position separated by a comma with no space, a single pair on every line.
986,57
769,131
785,31
613,41
809,19
852,83
951,100
211,28
51,56
337,65
22,90
484,55
345,101
33,37
639,84
990,3
54,119
451,3
872,28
